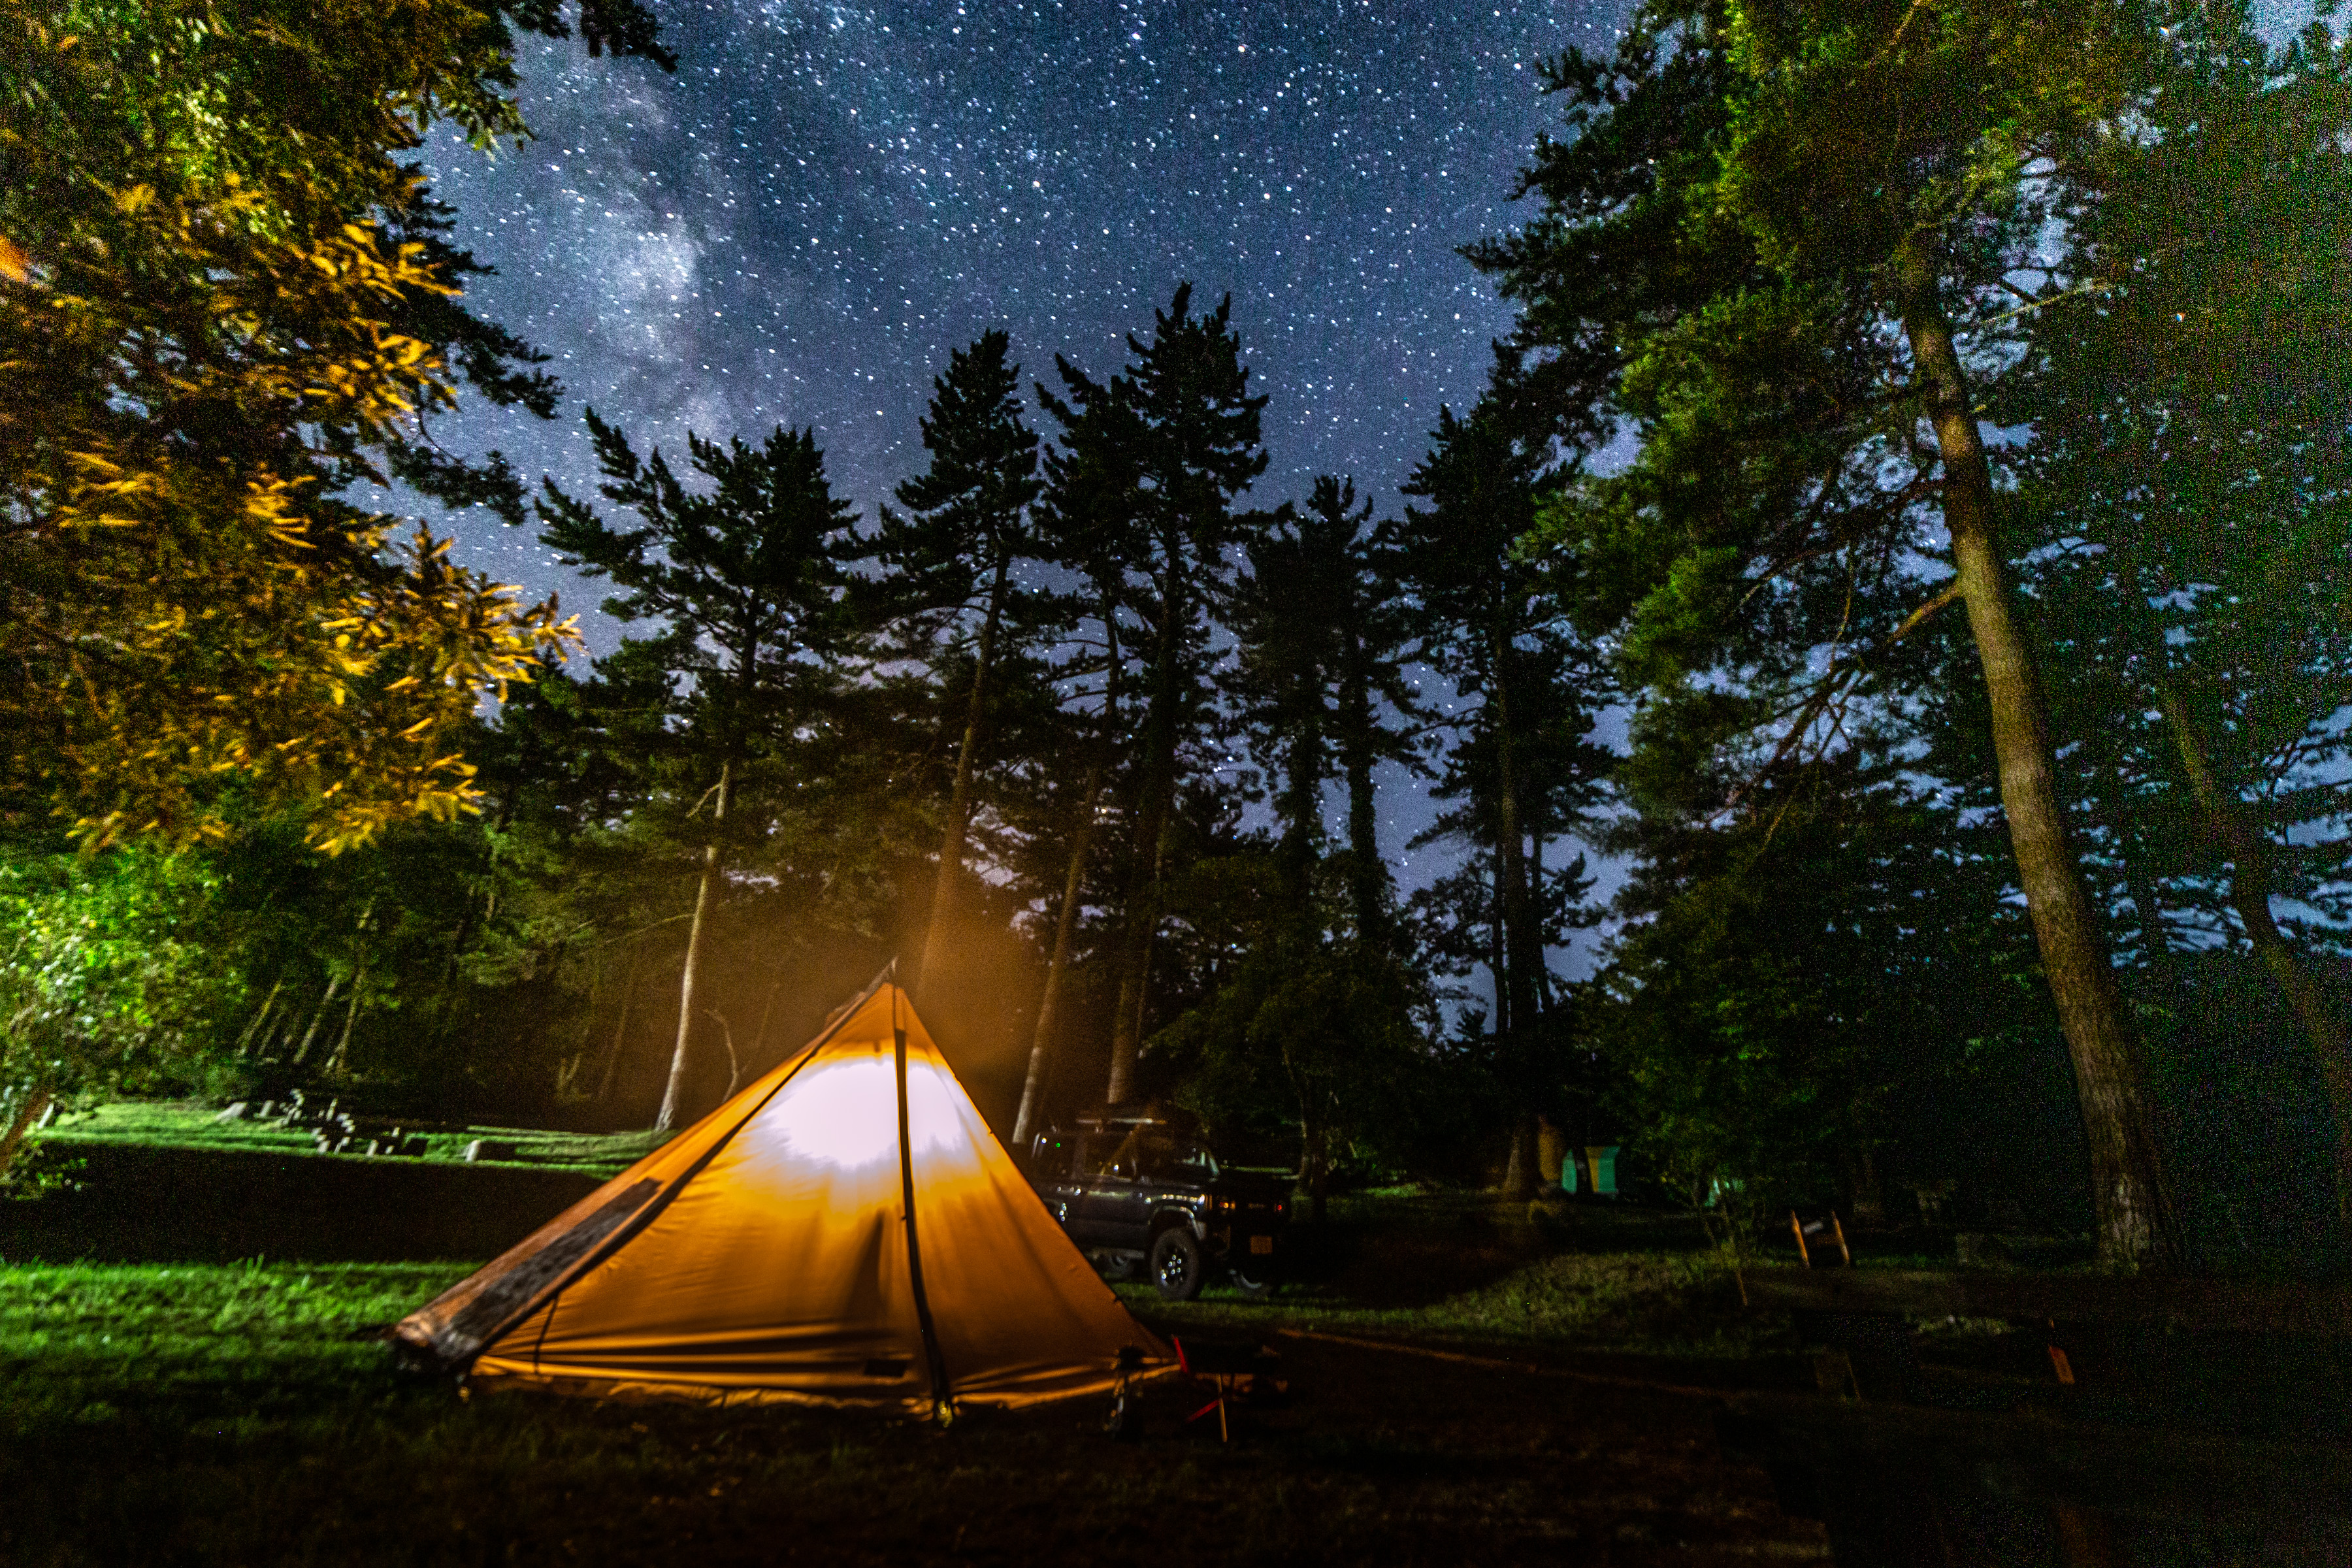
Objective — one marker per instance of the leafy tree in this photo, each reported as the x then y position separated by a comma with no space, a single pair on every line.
747,582
953,559
2190,486
1781,246
224,301
106,985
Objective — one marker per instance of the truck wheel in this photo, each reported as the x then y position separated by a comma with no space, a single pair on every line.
1256,1287
1176,1264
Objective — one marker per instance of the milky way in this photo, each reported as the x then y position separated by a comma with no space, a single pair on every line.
798,225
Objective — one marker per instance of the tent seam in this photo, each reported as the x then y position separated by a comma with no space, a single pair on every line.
635,1224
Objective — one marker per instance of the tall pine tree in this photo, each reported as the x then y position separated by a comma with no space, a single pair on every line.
747,580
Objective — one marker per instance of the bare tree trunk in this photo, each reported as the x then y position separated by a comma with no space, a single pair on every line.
21,1125
339,1062
1367,872
704,894
1521,1172
1049,1006
318,1016
620,1030
267,1002
2136,1222
1151,840
940,932
734,1062
1520,955
2250,895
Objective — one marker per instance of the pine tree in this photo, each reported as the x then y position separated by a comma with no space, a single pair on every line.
953,559
2191,490
747,582
1488,622
1170,444
1781,246
1324,635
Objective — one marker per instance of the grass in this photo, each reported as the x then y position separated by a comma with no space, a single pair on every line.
237,1414
1645,1303
186,1124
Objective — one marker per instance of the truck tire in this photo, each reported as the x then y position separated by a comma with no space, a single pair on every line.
1176,1266
1256,1285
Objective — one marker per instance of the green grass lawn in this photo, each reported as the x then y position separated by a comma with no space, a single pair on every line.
187,1124
240,1413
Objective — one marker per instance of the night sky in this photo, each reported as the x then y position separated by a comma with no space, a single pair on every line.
824,200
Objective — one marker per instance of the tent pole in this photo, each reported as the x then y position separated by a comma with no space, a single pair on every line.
942,1404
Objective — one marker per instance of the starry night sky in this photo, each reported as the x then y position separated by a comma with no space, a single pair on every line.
799,225
825,199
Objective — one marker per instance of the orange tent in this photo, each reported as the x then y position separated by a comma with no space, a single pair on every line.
845,1231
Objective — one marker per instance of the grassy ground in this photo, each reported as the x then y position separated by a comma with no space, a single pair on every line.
231,1414
182,1124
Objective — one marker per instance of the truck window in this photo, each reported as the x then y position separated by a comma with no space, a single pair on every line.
1107,1154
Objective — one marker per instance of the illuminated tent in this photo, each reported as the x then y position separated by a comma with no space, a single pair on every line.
845,1231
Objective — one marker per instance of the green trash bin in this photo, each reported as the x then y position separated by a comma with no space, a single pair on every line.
1602,1158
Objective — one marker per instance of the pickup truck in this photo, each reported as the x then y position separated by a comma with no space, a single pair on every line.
1137,1192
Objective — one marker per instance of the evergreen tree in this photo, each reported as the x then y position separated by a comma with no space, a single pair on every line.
2190,486
1323,635
1149,467
953,559
747,582
1489,623
1782,245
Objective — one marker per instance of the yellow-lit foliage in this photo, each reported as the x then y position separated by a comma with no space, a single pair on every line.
198,358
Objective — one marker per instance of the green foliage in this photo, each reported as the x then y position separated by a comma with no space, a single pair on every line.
226,300
106,984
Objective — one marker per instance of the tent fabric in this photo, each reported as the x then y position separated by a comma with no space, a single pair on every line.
763,1255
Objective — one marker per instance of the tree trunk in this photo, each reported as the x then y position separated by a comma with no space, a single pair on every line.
2136,1224
705,895
1495,966
317,1015
734,1062
1316,1157
20,1125
1519,956
339,1062
620,1030
1521,1177
939,934
2250,895
1049,1006
1135,979
1302,809
1367,872
1143,893
268,1002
